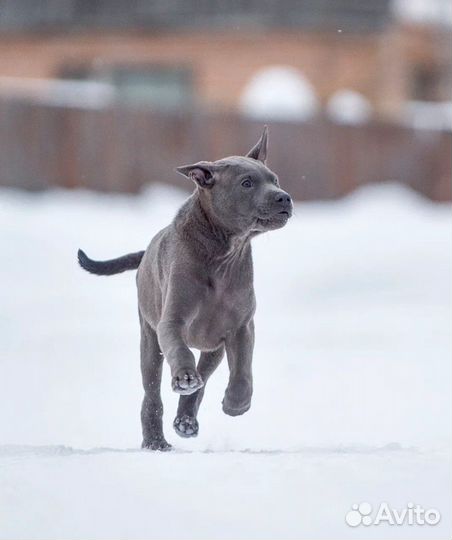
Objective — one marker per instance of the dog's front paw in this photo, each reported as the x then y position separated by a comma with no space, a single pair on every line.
186,426
156,444
187,381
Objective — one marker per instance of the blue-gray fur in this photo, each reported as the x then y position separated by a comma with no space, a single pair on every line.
195,287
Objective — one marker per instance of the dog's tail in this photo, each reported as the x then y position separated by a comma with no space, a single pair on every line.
113,266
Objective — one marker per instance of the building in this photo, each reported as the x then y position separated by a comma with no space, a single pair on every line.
204,54
113,94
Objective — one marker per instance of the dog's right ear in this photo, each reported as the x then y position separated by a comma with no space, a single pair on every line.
259,150
201,173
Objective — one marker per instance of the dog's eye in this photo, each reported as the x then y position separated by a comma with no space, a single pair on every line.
247,183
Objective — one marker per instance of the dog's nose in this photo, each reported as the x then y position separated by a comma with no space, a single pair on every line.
283,198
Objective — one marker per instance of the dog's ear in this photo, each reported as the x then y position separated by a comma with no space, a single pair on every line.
201,173
259,150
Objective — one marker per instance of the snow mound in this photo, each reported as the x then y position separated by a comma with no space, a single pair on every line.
349,107
60,93
424,11
279,93
428,115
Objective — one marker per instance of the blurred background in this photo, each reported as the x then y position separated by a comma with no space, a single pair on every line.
111,95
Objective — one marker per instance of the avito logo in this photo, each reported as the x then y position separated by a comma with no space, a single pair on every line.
412,514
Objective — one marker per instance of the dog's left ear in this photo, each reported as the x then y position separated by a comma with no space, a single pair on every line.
259,150
201,173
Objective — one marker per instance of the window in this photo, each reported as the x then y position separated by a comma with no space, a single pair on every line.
159,86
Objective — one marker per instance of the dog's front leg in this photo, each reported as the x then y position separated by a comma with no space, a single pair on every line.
239,350
185,377
180,301
185,423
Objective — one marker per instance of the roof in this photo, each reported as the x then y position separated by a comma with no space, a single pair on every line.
48,15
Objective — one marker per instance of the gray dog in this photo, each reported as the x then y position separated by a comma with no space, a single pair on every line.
195,287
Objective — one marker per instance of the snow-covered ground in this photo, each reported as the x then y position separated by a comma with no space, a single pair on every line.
352,369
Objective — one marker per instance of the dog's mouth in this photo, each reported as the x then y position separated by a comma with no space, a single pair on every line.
274,221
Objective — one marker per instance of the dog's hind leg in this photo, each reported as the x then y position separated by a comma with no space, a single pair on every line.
185,423
152,407
239,349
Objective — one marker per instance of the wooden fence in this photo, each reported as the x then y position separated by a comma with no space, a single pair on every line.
123,149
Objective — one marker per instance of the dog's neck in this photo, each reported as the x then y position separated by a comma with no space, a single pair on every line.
209,237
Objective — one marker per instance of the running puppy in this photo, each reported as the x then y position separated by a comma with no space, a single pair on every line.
195,287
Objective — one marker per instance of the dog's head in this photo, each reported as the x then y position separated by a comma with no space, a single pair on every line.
241,192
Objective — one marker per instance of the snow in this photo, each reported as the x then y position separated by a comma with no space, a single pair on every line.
279,93
349,107
352,377
60,93
428,115
423,11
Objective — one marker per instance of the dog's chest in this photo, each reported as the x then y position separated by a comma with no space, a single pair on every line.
224,307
